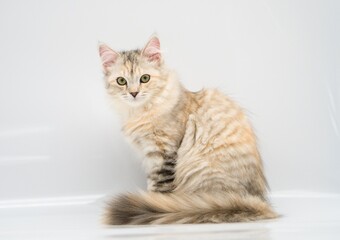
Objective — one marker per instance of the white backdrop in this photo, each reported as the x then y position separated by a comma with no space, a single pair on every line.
59,136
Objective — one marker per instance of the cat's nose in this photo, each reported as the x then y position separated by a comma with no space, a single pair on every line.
134,94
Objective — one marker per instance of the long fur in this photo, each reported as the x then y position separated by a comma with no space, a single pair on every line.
158,208
200,151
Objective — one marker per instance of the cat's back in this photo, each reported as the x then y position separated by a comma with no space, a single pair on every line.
222,122
212,104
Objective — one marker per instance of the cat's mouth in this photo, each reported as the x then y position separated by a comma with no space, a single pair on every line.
136,101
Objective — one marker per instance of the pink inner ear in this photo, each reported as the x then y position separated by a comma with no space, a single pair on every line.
107,55
152,50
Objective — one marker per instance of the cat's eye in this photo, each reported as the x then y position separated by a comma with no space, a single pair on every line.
145,78
121,81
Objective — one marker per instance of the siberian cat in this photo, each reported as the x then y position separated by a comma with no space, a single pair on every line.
200,152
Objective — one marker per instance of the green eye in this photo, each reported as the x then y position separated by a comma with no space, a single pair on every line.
121,81
145,78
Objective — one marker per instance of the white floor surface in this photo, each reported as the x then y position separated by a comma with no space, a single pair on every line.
304,216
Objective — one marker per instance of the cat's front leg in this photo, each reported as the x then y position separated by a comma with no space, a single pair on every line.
160,171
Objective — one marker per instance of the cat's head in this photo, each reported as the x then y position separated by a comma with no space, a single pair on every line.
134,77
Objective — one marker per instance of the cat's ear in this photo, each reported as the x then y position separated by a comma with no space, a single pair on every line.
152,50
107,55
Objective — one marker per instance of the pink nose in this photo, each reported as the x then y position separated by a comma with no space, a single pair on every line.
134,94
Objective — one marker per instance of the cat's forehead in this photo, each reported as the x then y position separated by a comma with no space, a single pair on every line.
131,61
131,65
131,57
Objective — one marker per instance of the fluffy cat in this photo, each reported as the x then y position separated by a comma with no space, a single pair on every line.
200,151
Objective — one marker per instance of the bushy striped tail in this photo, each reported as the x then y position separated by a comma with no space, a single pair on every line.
160,208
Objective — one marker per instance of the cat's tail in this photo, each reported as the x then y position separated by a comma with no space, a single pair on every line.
160,208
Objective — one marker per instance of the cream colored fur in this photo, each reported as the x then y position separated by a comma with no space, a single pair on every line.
200,150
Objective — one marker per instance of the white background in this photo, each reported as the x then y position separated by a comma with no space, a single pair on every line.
59,136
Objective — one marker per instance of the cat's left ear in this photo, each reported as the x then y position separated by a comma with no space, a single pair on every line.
152,50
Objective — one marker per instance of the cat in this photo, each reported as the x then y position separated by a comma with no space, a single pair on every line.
201,156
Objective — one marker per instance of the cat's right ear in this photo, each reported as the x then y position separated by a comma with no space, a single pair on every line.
107,55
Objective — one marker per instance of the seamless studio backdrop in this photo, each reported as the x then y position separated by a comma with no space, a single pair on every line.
59,136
